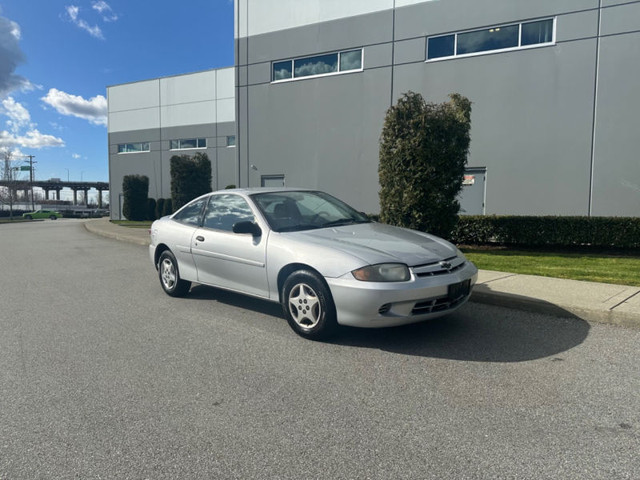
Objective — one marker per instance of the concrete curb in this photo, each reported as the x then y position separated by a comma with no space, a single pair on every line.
117,232
536,305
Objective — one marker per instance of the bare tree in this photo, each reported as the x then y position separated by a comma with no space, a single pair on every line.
8,194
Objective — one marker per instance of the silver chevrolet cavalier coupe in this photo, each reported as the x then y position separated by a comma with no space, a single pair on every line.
324,262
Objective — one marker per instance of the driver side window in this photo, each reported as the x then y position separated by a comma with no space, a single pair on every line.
225,210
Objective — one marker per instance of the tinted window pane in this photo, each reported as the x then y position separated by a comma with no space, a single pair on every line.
188,143
190,214
537,32
282,70
490,39
133,147
202,143
351,60
174,144
224,211
305,67
438,47
231,140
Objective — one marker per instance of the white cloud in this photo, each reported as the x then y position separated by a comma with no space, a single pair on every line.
73,12
105,10
32,139
94,110
10,57
76,156
19,116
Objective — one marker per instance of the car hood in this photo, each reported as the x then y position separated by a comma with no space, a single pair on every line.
378,243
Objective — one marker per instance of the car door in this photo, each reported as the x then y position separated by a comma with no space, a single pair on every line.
226,259
180,233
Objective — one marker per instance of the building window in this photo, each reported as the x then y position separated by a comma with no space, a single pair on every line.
133,147
187,143
498,38
327,64
231,140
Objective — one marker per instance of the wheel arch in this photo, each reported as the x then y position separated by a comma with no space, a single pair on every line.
160,249
287,270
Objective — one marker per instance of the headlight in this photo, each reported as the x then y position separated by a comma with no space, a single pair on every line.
384,272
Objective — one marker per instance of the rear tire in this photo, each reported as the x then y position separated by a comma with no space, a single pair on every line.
53,217
29,217
308,305
169,276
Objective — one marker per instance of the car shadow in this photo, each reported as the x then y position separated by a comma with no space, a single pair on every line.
203,292
478,332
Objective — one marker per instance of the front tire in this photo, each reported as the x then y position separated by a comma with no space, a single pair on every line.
308,305
169,276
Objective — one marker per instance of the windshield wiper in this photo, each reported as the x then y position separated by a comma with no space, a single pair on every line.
297,228
343,221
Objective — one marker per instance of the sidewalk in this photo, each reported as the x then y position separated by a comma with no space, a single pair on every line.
593,302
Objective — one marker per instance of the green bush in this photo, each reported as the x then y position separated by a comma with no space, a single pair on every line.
549,231
423,154
151,209
135,189
167,208
190,178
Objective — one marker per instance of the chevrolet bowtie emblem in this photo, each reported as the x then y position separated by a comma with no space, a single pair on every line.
445,265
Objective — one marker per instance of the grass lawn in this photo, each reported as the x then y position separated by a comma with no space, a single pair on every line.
593,267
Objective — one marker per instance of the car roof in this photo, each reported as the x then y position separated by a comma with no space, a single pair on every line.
252,190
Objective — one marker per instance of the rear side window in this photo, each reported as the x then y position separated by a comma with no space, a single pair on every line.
191,214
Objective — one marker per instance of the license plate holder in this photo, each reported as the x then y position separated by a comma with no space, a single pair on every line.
459,290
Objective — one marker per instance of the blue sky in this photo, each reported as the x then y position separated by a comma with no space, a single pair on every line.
57,58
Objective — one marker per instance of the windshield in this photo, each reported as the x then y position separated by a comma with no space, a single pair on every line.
296,211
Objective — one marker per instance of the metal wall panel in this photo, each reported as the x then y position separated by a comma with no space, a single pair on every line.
132,96
616,189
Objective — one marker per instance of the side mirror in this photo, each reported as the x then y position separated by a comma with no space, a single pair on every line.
247,227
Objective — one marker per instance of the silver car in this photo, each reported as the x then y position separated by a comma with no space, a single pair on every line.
326,263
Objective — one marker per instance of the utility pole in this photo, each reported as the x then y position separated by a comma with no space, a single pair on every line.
31,157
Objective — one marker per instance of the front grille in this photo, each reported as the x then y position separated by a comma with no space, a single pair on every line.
436,305
441,267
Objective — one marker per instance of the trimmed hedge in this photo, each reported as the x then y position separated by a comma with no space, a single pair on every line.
529,231
423,153
190,178
135,189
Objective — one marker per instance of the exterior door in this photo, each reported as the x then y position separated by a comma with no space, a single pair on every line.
226,259
472,197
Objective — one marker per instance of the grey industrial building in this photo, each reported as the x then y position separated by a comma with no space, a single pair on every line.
553,86
153,120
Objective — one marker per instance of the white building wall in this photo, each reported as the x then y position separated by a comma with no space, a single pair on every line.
275,15
191,99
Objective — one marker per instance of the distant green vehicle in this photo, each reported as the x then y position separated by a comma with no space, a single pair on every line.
52,214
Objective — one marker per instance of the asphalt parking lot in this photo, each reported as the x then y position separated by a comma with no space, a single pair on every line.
104,376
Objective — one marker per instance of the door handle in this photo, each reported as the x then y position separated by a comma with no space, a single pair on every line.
200,238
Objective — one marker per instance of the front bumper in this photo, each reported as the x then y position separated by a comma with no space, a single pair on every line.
372,304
